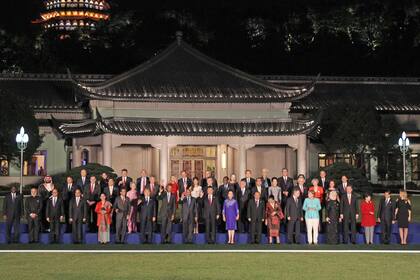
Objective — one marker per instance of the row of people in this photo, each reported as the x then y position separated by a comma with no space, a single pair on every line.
250,211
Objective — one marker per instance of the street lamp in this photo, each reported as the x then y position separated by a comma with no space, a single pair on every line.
22,140
404,143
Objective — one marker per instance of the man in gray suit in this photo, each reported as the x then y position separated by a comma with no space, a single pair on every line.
77,216
188,216
121,207
12,212
294,214
167,213
33,206
147,211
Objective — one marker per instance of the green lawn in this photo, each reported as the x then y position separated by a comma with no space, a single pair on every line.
208,266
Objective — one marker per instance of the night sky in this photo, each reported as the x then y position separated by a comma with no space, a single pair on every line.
379,38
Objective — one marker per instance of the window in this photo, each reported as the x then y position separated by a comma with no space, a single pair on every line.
325,160
195,160
415,166
85,157
37,166
4,167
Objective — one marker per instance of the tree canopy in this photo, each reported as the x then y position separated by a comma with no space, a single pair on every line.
379,37
16,113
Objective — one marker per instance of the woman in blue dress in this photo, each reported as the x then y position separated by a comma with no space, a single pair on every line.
230,216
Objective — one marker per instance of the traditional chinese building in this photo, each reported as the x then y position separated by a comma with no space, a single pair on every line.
183,110
73,14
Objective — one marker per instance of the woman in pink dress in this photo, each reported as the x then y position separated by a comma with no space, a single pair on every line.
132,216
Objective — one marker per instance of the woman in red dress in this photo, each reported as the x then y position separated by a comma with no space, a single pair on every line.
174,188
318,190
273,216
103,210
367,208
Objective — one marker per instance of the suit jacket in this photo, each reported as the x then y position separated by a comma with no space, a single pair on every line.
303,194
81,185
122,206
147,210
138,184
386,211
325,184
286,186
33,205
266,182
111,196
13,208
167,208
89,195
294,210
153,192
77,212
341,189
126,185
67,195
222,192
264,192
210,211
204,182
243,199
349,210
251,183
55,211
188,211
256,214
181,185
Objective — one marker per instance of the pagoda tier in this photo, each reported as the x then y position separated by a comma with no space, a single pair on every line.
73,14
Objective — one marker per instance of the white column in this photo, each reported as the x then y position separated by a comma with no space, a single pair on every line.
221,172
163,148
302,154
107,149
76,154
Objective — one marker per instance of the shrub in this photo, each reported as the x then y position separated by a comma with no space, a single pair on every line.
359,181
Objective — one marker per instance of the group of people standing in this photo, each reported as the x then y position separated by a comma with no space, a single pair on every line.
245,206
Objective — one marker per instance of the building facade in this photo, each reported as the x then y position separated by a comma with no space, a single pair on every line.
183,110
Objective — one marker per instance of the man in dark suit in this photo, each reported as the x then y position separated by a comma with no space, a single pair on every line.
294,215
55,215
123,182
188,215
167,213
204,181
12,212
266,182
323,180
209,185
77,216
33,207
256,215
183,183
342,187
121,207
83,181
349,213
91,194
147,210
222,190
302,187
250,182
211,214
242,196
260,189
286,185
153,187
142,182
386,216
67,193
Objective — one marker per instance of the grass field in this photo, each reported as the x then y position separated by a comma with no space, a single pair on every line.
209,266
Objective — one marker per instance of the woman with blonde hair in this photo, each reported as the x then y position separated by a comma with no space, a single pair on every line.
403,215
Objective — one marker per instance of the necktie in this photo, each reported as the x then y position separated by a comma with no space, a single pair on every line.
69,187
77,202
188,201
169,197
151,187
210,200
13,197
258,203
349,197
92,186
54,201
147,200
296,201
243,191
123,180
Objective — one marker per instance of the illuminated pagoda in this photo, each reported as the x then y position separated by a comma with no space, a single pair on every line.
73,14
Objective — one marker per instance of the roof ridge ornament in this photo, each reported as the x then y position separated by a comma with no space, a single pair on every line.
179,36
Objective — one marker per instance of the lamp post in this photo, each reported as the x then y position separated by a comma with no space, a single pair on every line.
404,143
22,140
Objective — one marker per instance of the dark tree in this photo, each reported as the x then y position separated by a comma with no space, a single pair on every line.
16,113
